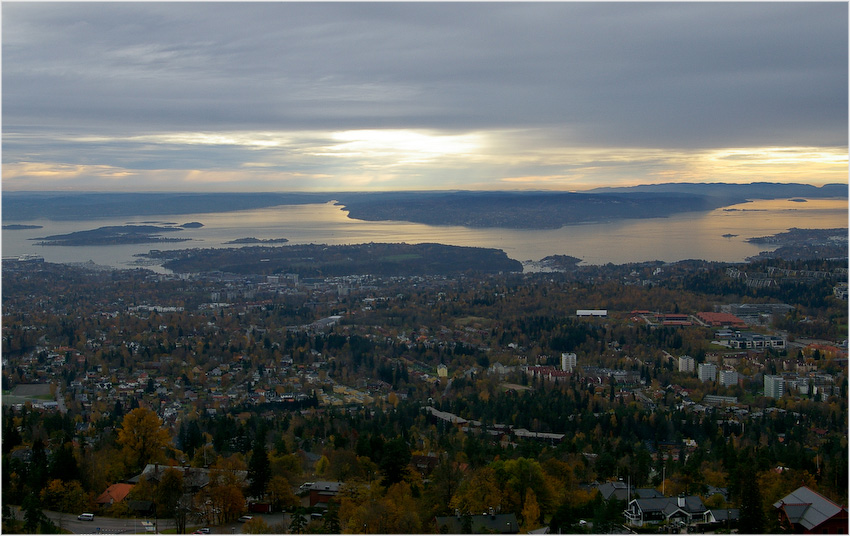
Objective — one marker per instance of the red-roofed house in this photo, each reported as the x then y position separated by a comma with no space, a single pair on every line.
113,494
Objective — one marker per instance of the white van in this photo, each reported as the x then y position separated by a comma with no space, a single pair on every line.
86,517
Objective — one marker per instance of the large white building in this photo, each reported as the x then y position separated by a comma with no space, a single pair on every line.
568,361
687,364
707,372
592,312
774,386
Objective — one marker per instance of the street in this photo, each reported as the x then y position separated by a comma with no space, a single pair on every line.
110,525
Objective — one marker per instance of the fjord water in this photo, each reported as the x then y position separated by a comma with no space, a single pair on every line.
694,235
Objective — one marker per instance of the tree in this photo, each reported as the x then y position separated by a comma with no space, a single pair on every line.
228,500
51,495
445,481
478,493
530,511
299,522
143,438
33,515
258,471
256,525
63,464
394,461
751,519
169,493
330,523
280,493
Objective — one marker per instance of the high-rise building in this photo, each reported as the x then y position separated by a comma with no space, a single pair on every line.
774,386
687,364
707,372
568,361
728,377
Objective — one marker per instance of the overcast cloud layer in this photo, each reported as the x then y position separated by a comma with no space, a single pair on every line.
351,96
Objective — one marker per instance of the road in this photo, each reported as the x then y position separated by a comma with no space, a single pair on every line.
111,525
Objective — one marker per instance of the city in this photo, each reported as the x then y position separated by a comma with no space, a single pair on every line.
602,399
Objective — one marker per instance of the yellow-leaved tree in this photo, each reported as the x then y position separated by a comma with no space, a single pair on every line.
143,438
530,511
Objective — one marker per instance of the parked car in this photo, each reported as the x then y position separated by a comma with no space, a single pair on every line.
245,519
86,517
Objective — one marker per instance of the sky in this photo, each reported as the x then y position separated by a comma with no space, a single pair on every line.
320,96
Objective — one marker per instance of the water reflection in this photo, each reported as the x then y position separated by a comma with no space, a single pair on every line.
719,235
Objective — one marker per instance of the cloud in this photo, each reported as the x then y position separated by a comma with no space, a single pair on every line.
421,94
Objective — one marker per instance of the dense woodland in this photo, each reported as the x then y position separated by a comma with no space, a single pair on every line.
62,325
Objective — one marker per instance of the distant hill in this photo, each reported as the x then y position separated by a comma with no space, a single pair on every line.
755,190
65,206
551,210
521,210
505,209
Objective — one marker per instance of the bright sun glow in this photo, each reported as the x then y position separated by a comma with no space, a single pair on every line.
403,146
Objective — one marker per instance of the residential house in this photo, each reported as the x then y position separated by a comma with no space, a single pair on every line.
321,493
804,511
194,478
619,490
114,494
685,509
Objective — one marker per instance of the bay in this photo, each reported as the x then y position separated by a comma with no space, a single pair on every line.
695,235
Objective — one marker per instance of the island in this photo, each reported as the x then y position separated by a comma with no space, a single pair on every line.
252,240
19,227
111,236
320,260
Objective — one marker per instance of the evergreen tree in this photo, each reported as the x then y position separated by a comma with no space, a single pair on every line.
63,464
299,522
37,475
258,471
330,523
751,515
32,513
394,461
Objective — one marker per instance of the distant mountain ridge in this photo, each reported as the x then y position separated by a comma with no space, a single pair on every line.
754,190
478,209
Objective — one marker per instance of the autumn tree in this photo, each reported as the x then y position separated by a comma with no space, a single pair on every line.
280,493
257,525
225,490
530,511
478,493
446,479
143,438
169,495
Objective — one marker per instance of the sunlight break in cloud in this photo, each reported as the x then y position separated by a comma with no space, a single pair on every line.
401,146
60,171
